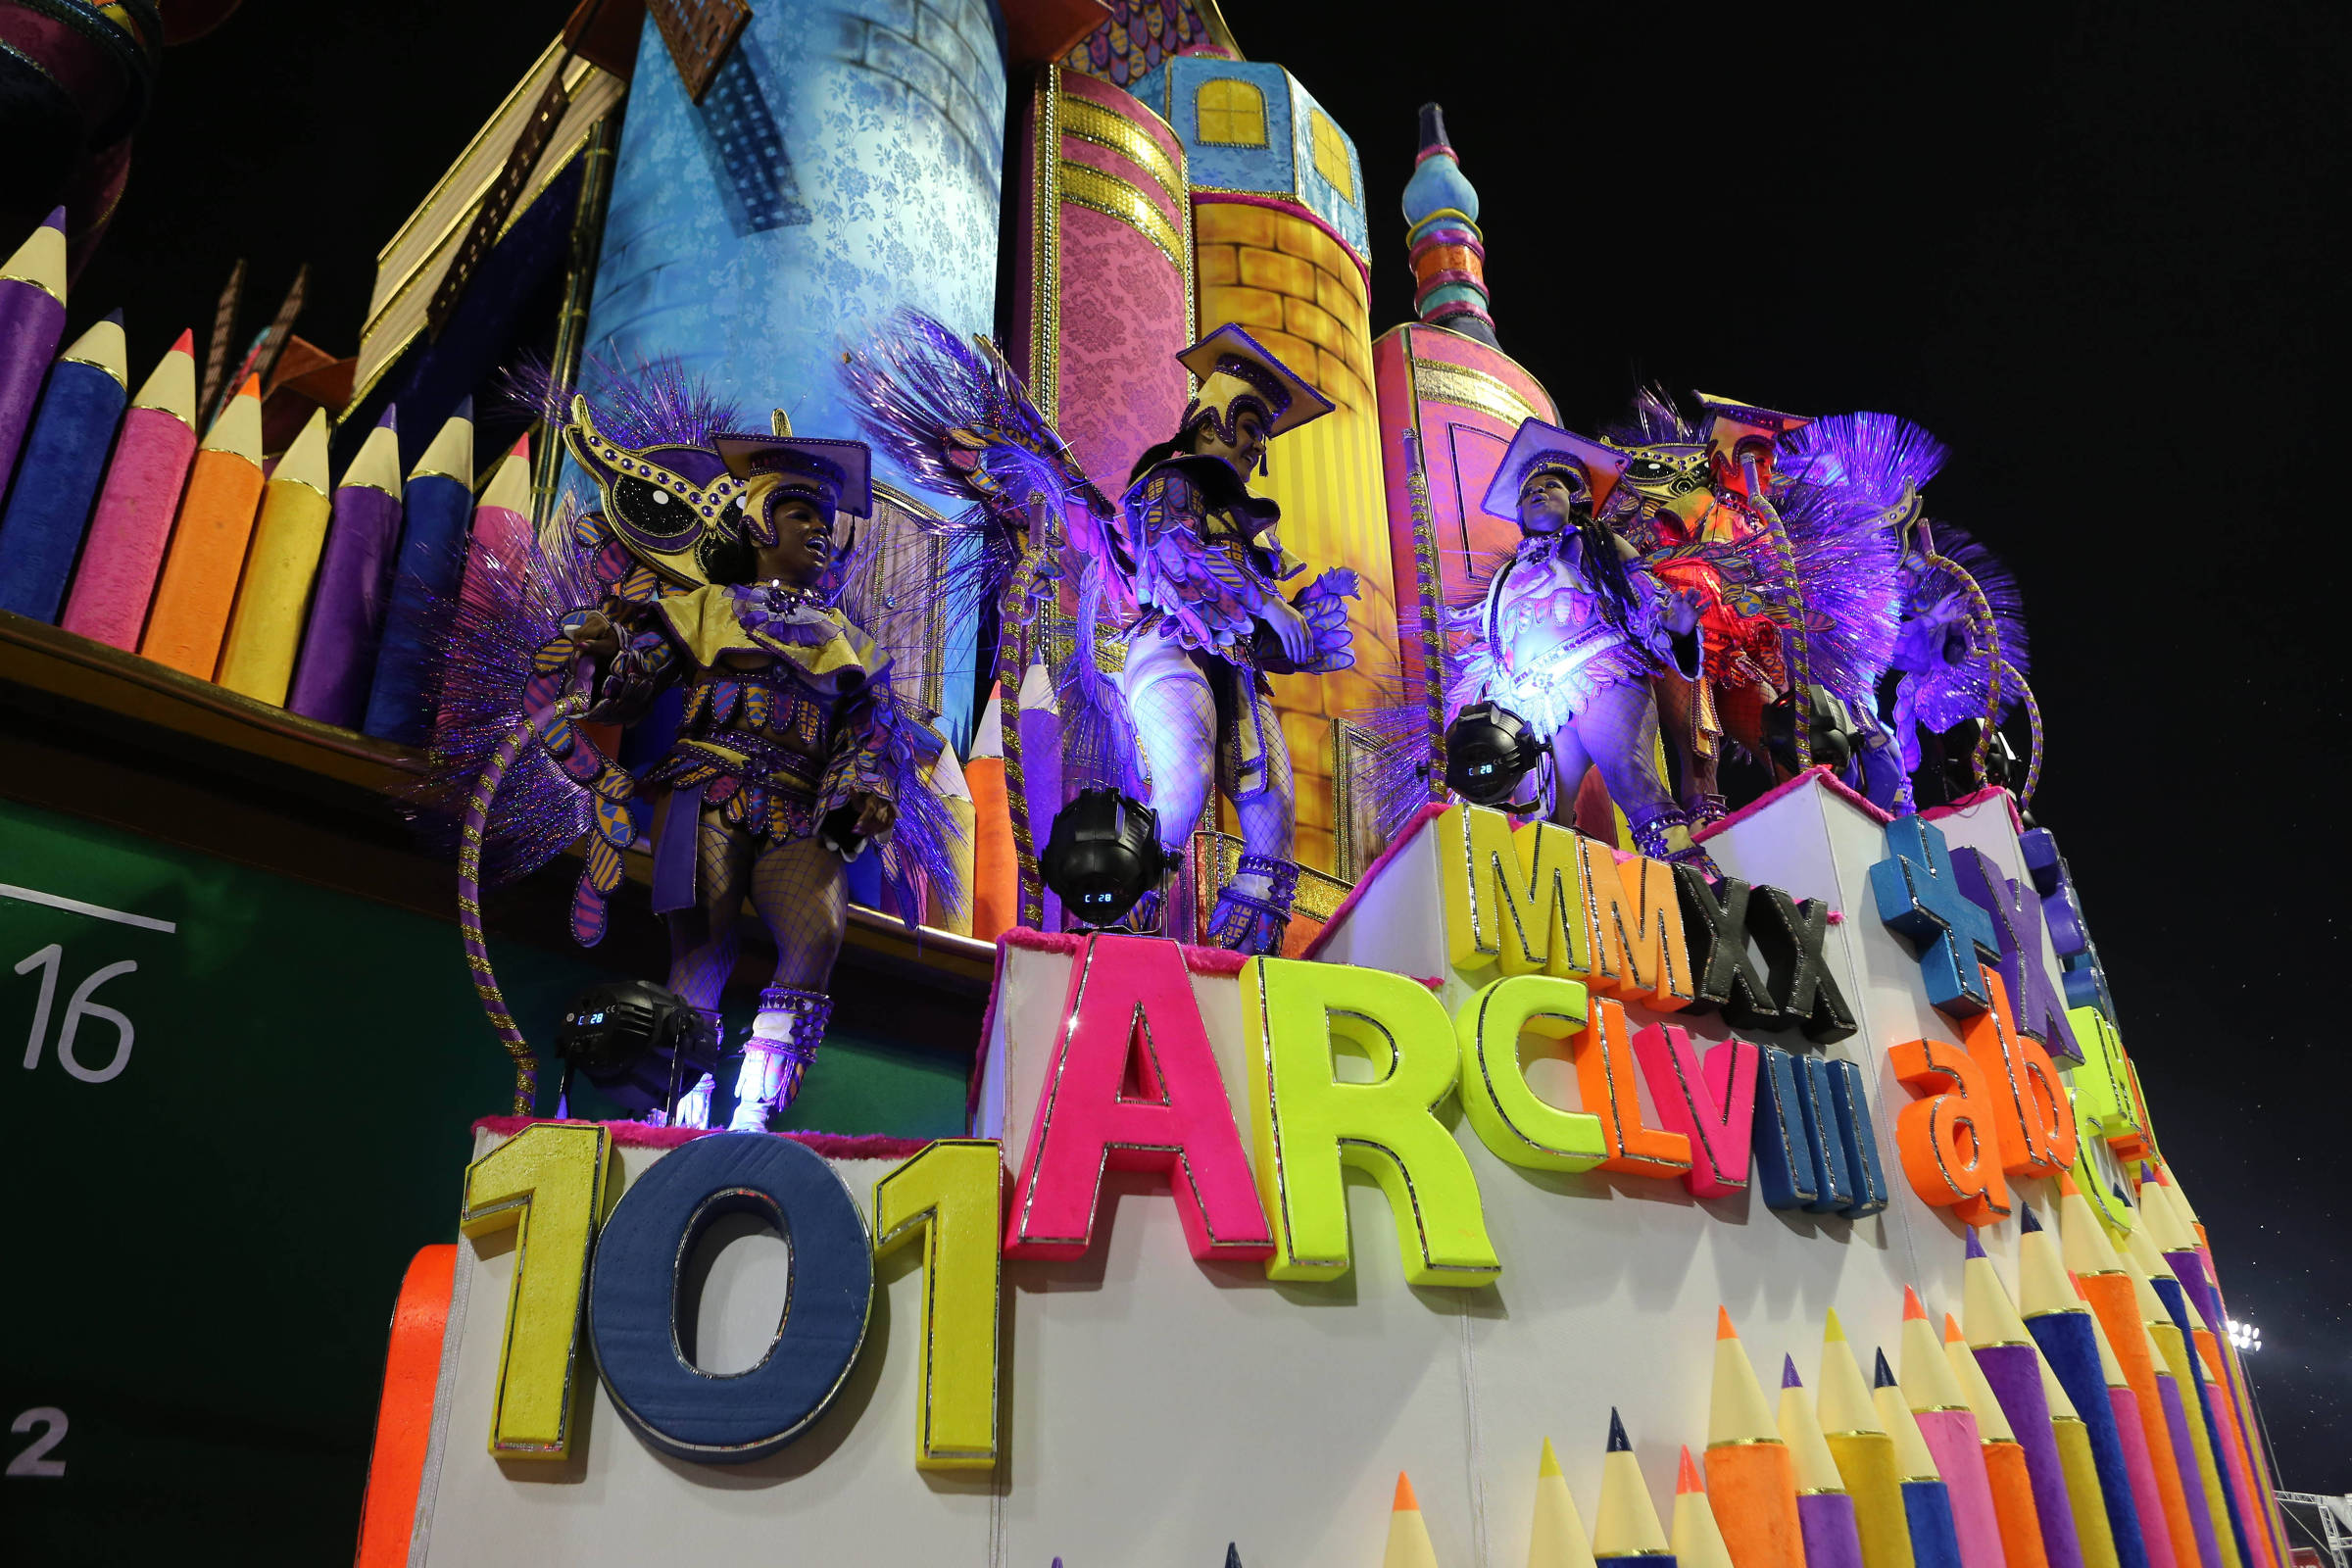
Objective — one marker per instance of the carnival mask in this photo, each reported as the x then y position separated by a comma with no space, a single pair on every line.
675,506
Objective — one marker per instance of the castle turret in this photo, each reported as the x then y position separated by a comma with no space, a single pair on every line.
1447,253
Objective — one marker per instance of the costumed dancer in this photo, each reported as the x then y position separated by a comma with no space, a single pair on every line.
710,564
1570,630
1796,590
1958,658
1179,616
790,756
1211,625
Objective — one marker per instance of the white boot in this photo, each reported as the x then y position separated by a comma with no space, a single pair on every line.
694,1105
776,1058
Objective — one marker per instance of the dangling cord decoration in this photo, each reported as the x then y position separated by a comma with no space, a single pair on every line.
2034,721
470,915
1800,704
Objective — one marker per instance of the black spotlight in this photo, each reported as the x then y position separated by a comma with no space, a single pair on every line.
1104,855
641,1043
1489,750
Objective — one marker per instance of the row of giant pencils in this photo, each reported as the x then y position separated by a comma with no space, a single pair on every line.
272,579
2090,1421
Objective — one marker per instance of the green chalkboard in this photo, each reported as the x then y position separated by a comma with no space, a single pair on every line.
205,1231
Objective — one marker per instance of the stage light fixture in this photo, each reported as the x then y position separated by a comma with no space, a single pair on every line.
1102,855
1489,750
642,1045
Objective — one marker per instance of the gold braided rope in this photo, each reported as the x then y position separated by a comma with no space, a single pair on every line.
1431,591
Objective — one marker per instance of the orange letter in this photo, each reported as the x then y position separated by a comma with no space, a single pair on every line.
1950,1148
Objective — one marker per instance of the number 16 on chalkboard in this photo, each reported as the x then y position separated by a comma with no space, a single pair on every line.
80,1007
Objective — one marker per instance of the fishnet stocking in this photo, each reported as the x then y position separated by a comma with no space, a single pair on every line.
703,942
1176,720
1269,819
803,895
799,891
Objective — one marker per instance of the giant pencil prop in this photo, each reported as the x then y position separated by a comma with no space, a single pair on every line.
257,660
1409,1545
1698,1535
116,581
1824,1509
2011,1366
1864,1452
2099,1275
199,585
2063,1327
1626,1533
2092,1527
2199,1315
1556,1538
1949,1427
2163,1310
2147,1495
432,562
32,321
1927,1500
2006,1473
337,662
1749,1469
57,478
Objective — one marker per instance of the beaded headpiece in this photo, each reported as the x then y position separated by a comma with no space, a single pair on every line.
1540,448
1237,372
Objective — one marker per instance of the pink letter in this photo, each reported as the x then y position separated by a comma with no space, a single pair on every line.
1713,1104
1130,998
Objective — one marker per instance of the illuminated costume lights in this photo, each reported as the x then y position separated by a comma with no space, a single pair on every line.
1572,628
710,565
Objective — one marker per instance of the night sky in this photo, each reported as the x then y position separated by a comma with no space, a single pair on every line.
2086,249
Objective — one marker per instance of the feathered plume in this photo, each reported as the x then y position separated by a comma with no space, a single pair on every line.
490,632
651,402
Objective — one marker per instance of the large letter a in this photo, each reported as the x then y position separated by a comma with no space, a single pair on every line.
1129,998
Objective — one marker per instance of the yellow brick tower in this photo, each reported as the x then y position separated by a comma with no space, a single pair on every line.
1278,233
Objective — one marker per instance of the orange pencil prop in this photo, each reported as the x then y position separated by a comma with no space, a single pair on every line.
2147,1493
1409,1533
2099,1275
1749,1468
206,556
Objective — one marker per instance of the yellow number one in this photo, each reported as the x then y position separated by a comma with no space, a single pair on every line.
555,1183
954,1192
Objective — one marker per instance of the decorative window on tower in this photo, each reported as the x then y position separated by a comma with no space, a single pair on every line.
1331,154
1231,114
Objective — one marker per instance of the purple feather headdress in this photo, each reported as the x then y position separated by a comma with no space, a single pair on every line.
651,402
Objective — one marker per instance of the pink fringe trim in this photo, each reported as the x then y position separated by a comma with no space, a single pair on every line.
637,1135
